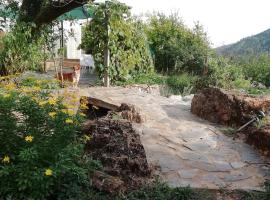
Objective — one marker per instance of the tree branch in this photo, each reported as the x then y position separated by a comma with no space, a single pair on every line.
40,12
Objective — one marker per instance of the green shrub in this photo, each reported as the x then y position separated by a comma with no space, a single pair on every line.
41,152
149,79
19,52
42,83
222,74
181,84
258,69
241,84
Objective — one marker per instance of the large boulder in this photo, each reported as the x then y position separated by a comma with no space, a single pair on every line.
227,107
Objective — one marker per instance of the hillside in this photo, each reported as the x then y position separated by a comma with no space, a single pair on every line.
256,44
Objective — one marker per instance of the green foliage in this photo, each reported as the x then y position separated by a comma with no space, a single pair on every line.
223,74
149,79
129,53
155,191
181,84
175,47
42,83
41,152
19,52
258,69
229,131
162,192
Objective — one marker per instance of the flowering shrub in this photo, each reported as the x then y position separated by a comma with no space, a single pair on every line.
42,83
41,152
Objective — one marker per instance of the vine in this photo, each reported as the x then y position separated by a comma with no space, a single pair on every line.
129,51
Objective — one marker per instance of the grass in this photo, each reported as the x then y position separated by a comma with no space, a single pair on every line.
157,191
256,91
148,79
174,84
228,131
161,191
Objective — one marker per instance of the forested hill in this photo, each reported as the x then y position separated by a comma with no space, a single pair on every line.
253,45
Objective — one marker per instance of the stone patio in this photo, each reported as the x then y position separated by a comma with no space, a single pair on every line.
188,150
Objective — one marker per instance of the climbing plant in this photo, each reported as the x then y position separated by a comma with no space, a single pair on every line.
129,52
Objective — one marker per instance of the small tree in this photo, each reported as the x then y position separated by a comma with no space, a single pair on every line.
128,47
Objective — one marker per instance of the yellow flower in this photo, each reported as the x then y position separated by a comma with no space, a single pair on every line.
48,172
68,105
71,112
87,138
64,111
52,114
75,100
35,88
52,101
29,138
6,95
6,159
69,121
42,103
10,86
38,82
35,99
83,115
84,106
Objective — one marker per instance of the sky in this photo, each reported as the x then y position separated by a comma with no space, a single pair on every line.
225,21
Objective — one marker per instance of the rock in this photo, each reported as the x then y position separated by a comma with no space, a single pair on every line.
238,165
188,98
176,97
227,107
239,176
131,113
258,85
188,174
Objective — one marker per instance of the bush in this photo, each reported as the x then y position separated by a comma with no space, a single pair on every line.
19,52
222,74
181,84
41,152
42,83
258,69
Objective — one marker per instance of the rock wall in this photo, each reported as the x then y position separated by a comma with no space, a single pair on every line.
227,107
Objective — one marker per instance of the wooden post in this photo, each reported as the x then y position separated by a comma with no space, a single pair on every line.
106,50
62,53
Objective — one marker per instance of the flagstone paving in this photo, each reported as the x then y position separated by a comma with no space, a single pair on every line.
188,151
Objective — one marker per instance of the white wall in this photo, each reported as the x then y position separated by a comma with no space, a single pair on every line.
74,31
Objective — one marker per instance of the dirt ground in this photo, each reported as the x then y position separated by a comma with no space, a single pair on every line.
230,108
119,148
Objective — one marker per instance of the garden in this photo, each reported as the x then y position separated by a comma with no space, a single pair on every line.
56,143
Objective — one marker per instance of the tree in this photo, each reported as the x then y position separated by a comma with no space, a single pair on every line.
176,48
39,12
